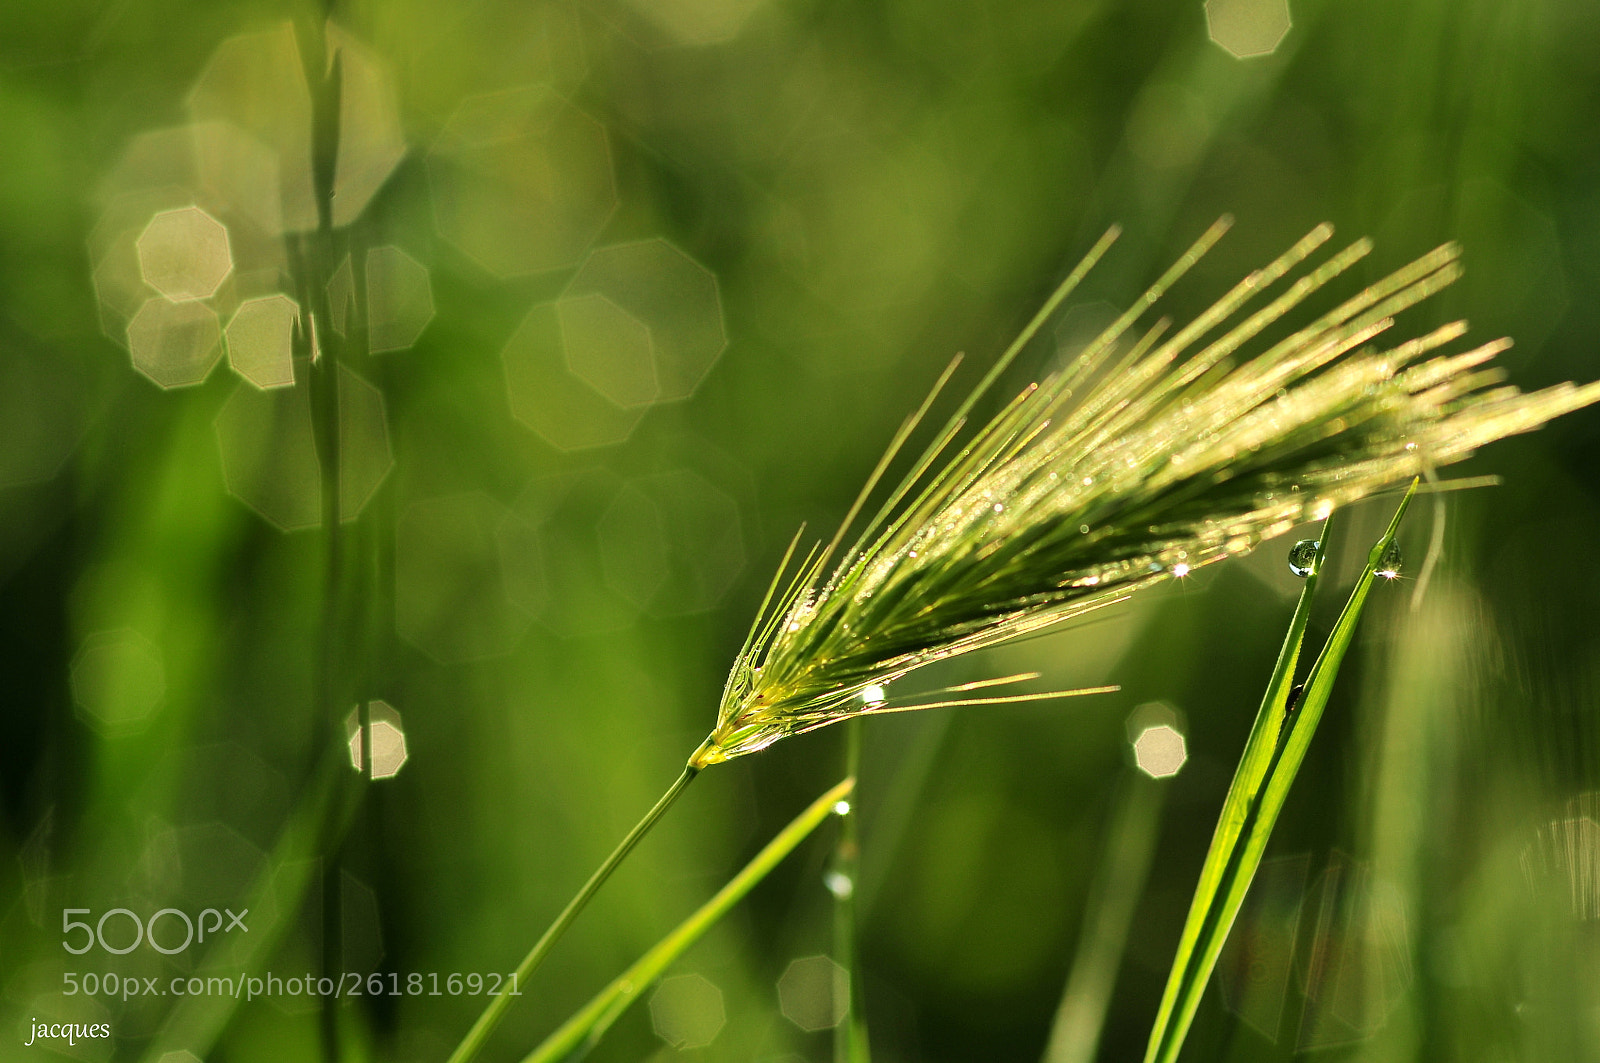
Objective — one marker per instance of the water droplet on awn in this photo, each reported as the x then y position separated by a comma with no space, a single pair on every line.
1303,557
1389,563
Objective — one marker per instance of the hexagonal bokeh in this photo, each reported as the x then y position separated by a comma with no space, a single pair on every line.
633,546
234,168
521,181
552,555
255,84
164,230
119,289
261,340
364,455
673,296
814,993
567,413
184,254
399,299
118,680
213,860
1245,28
450,587
609,349
225,781
1361,967
269,457
371,143
1254,968
686,1011
387,741
671,542
1155,731
174,344
1160,751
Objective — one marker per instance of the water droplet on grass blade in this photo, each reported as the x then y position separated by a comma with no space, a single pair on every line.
839,884
1303,557
1389,563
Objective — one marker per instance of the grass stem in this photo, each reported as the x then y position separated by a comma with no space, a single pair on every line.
587,1026
850,1043
492,1014
1113,899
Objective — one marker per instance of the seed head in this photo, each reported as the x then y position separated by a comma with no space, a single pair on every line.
1114,473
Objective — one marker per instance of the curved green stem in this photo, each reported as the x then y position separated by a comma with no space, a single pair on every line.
492,1014
591,1022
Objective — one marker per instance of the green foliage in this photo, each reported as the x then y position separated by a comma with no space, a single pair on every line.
612,297
591,1023
1272,756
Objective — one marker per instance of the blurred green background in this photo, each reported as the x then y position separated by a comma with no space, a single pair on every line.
640,286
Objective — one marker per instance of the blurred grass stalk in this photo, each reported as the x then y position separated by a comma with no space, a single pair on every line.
199,1019
1272,756
1430,684
1119,884
850,1042
314,266
586,1027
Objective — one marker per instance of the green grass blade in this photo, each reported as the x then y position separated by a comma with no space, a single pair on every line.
1243,793
590,1023
1277,745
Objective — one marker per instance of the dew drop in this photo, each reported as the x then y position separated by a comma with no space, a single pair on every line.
1389,563
1303,557
839,884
